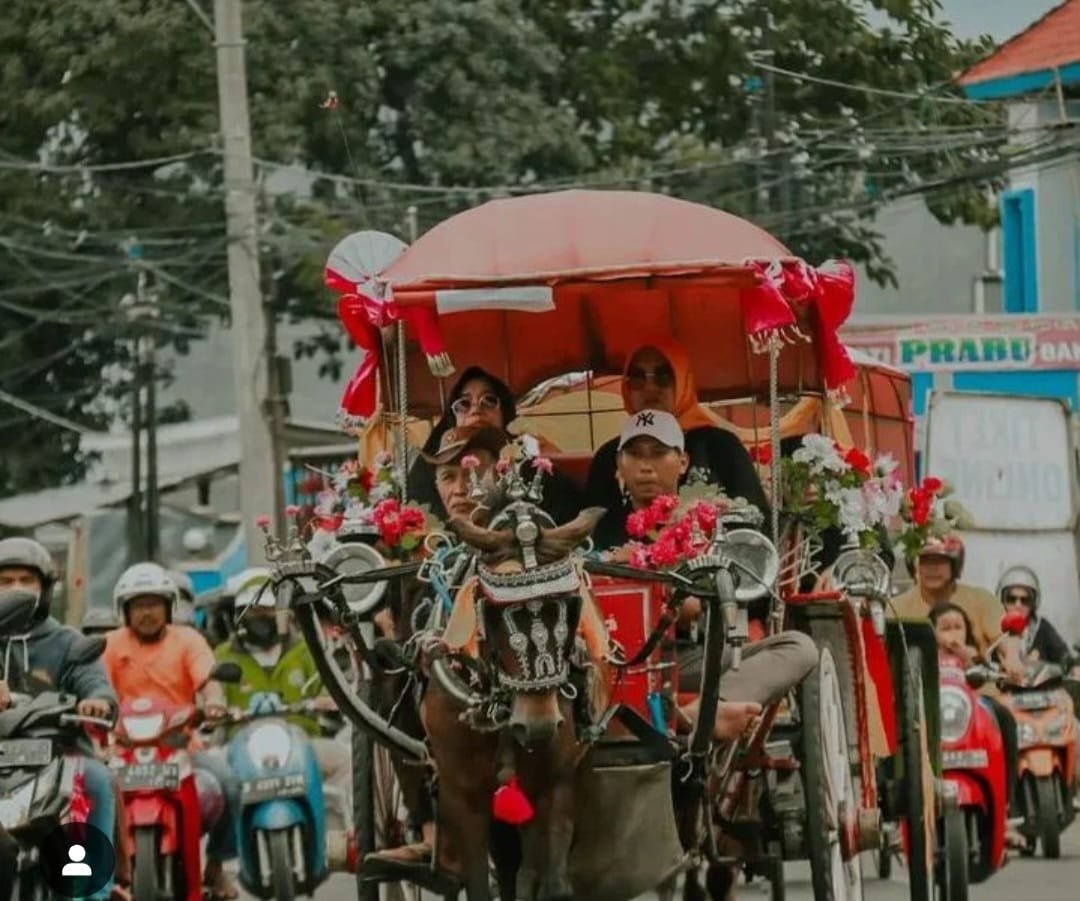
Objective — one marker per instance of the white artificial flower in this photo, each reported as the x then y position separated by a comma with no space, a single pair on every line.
821,455
886,465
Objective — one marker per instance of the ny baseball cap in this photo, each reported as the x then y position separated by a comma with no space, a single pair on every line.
656,424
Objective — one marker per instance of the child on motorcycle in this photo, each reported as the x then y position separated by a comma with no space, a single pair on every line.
37,661
952,628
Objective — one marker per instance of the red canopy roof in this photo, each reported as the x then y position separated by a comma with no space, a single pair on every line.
538,285
549,238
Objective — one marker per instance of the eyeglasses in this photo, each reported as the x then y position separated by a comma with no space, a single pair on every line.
1024,599
664,377
465,404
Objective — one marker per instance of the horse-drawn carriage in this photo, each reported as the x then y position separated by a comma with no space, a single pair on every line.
621,800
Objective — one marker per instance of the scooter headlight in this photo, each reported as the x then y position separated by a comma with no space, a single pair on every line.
269,746
144,728
15,810
1027,735
955,713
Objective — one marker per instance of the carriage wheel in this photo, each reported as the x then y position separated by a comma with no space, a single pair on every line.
918,781
828,784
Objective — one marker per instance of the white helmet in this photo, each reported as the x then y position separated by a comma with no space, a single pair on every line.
1019,577
184,612
248,587
144,579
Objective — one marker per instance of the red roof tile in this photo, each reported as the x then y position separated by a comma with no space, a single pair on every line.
1052,41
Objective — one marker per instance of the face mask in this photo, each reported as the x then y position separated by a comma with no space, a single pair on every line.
260,632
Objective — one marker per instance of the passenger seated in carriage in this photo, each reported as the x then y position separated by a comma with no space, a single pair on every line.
480,401
651,458
658,377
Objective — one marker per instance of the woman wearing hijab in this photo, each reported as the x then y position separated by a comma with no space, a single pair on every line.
479,400
658,377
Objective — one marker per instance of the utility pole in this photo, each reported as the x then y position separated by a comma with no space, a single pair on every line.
147,303
279,381
248,327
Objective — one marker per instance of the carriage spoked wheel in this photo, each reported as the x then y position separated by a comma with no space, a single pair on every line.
918,781
828,784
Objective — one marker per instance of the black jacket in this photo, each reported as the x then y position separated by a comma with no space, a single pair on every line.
1049,644
714,453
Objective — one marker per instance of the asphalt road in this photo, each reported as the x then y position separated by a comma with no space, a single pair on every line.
1021,880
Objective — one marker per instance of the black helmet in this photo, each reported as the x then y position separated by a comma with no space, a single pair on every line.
29,554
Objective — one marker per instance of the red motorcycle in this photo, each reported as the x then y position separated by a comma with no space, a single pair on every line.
972,826
163,814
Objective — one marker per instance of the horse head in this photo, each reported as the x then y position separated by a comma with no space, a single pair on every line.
529,605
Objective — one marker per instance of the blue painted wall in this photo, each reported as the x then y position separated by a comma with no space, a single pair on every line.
1019,251
1046,383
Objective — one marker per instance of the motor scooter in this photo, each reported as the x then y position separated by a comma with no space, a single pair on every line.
1046,727
41,786
971,827
281,828
164,803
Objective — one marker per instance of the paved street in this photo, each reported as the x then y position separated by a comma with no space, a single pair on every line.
1029,880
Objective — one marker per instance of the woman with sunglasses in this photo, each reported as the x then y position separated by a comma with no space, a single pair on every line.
658,377
478,400
1018,589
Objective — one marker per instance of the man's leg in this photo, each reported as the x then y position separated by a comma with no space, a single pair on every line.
769,669
101,790
221,839
335,765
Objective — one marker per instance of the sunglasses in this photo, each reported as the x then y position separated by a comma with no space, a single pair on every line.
465,404
636,378
1018,599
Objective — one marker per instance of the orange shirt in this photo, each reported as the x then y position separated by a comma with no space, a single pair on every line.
171,670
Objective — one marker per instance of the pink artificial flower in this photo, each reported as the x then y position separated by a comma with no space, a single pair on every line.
706,515
262,522
639,556
292,511
384,458
502,467
664,553
470,462
544,465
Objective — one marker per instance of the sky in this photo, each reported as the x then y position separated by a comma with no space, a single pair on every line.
1001,19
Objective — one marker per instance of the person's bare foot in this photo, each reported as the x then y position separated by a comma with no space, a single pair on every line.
733,718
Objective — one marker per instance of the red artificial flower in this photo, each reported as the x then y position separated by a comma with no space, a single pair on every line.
412,519
932,484
367,479
920,513
761,454
858,461
639,556
311,485
664,553
664,506
706,515
637,524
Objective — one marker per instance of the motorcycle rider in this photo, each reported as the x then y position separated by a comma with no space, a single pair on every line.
1018,589
151,657
37,661
938,567
273,659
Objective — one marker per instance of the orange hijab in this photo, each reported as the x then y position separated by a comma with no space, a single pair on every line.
690,413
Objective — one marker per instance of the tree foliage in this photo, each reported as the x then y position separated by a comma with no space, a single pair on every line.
440,104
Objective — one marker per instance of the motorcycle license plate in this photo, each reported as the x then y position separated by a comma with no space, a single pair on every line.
1035,700
151,777
254,790
25,752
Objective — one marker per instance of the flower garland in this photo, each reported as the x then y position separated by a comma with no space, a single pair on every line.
930,513
828,487
371,496
676,528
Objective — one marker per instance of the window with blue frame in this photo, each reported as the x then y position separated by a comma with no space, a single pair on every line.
1019,251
